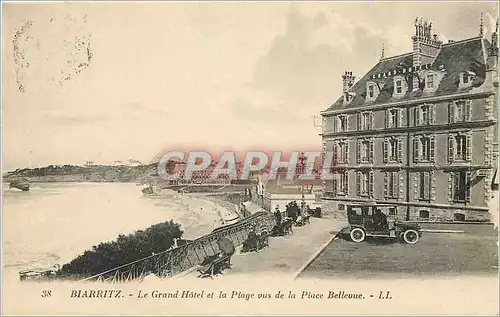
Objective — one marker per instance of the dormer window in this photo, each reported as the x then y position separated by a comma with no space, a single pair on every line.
399,86
372,91
429,81
349,96
466,79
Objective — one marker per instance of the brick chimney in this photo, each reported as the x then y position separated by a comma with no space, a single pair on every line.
426,46
347,82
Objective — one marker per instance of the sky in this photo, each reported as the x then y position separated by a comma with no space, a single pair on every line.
120,81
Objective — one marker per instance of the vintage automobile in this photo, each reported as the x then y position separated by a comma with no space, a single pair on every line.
376,220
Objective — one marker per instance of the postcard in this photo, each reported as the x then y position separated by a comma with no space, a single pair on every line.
250,158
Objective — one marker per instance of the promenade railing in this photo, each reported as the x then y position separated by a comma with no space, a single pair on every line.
177,260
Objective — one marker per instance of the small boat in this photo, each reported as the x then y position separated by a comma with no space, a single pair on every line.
39,274
148,190
22,184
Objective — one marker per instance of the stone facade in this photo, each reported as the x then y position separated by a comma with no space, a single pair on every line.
423,136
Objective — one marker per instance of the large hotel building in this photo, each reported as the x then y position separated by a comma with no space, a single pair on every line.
419,130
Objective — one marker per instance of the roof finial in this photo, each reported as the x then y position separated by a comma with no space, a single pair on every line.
481,28
383,52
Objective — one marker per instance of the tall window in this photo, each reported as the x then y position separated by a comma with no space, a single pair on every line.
461,142
366,120
460,147
392,149
341,151
460,186
429,81
393,154
424,148
391,184
399,86
364,183
424,186
423,115
460,111
342,123
392,118
341,182
365,150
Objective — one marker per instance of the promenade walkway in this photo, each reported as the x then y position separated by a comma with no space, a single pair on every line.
285,255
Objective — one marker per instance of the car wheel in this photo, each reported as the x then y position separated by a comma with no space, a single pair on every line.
410,236
357,235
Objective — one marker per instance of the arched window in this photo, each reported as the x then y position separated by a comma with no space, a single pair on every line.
423,214
459,217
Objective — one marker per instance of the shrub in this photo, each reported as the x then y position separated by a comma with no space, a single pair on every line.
126,249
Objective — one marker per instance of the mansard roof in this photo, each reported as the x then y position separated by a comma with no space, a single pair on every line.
453,59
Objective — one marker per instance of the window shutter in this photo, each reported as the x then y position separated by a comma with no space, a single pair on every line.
432,150
450,186
395,183
432,113
370,116
401,118
417,116
451,112
335,180
401,183
358,183
387,117
451,149
359,121
372,183
415,185
358,151
335,151
468,110
469,146
385,149
433,186
335,124
386,183
416,152
346,182
400,149
427,184
371,152
347,122
346,151
467,186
